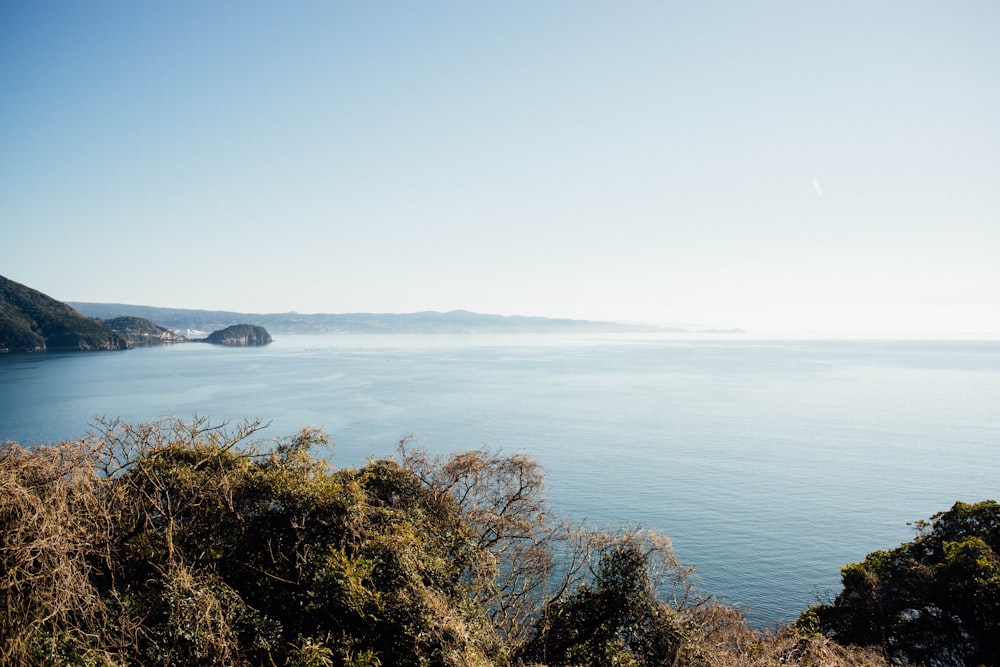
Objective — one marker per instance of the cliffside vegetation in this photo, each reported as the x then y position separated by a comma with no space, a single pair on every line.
184,543
33,322
933,601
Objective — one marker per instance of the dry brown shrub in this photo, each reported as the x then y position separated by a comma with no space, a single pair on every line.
66,509
789,648
501,499
62,508
727,637
52,528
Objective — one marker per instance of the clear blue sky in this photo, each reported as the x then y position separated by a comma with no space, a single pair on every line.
786,165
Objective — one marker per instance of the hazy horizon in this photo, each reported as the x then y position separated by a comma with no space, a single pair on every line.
795,167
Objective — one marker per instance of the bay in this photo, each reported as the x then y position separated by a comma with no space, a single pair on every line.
771,463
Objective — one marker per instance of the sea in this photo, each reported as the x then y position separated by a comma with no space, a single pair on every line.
771,463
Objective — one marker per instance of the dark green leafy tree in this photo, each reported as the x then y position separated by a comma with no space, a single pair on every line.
616,619
934,601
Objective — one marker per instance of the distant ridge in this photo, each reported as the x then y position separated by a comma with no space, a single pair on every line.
456,321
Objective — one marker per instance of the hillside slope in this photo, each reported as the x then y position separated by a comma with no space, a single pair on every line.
34,322
139,331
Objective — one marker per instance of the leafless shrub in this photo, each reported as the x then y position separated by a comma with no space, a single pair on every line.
501,498
62,509
528,557
727,637
52,525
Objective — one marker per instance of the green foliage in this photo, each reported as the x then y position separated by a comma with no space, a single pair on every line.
615,620
210,550
309,652
935,600
183,543
34,322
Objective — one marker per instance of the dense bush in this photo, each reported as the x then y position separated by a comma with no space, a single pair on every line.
934,601
175,543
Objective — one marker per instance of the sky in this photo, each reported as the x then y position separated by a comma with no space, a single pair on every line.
786,166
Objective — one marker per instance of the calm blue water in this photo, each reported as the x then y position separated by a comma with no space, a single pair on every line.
770,463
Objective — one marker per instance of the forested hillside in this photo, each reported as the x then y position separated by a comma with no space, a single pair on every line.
33,322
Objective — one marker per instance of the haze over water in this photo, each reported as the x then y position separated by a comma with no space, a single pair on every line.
793,166
771,463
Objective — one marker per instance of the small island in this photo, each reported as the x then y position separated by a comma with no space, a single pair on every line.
240,335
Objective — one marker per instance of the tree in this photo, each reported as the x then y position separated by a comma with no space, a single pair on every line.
512,531
525,558
618,618
935,600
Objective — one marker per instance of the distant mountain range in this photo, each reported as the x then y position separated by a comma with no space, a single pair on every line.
454,322
31,321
